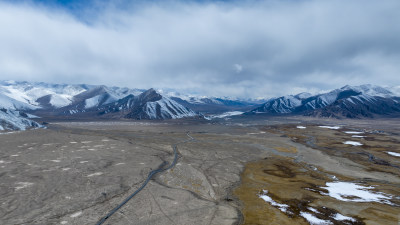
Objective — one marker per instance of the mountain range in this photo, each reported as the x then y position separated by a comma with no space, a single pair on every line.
348,101
19,101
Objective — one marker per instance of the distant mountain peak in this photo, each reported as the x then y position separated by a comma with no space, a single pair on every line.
348,101
150,95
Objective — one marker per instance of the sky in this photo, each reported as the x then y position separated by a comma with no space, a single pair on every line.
245,49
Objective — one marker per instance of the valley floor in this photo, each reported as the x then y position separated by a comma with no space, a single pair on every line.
264,171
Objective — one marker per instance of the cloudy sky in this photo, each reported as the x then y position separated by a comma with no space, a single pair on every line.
222,48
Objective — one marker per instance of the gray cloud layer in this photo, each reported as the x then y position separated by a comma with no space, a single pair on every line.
245,49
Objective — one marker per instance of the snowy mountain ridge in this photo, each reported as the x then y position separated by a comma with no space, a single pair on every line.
82,100
15,120
348,101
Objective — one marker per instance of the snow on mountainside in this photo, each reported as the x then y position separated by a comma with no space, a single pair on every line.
42,95
15,120
371,90
97,100
148,105
11,103
53,96
94,99
359,106
104,95
166,108
64,99
348,101
395,90
284,104
211,105
90,100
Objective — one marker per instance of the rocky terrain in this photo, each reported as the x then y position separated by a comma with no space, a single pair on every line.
260,171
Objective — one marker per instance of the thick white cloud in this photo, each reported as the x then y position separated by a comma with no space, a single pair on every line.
245,49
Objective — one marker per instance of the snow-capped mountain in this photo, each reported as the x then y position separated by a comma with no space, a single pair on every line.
15,120
147,105
54,96
96,97
210,105
10,117
359,106
284,104
91,101
41,95
348,101
11,103
395,90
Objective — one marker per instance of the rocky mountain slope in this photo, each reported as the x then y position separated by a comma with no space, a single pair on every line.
15,120
207,105
98,101
148,105
348,101
89,101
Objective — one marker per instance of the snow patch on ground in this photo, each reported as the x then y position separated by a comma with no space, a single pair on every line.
31,116
352,192
314,220
95,174
256,133
22,185
226,114
313,210
265,197
354,132
76,214
301,127
12,132
394,154
331,127
341,217
354,143
358,136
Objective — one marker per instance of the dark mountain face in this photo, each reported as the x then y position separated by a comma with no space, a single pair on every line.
45,102
148,96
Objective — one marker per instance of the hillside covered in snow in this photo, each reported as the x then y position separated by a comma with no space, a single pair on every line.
348,101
